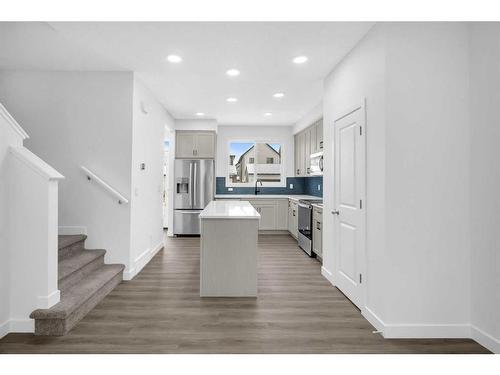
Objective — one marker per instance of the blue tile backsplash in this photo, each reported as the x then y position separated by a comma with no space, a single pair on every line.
301,185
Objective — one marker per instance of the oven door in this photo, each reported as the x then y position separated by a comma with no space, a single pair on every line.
305,212
304,226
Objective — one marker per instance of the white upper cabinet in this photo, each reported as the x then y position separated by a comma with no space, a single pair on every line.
319,136
307,152
312,139
307,142
205,145
195,144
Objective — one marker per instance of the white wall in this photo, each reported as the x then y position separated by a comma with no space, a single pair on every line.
75,119
8,137
427,192
485,183
414,77
358,77
33,192
278,134
28,230
148,131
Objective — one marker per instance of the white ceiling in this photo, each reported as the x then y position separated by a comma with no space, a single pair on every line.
262,51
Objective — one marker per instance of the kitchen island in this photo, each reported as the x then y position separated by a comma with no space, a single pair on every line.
228,252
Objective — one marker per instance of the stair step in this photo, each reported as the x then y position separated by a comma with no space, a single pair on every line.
75,267
68,245
77,301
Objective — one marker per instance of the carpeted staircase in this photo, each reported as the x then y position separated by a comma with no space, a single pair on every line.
84,280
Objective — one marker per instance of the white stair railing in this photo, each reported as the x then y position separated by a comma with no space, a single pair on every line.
91,176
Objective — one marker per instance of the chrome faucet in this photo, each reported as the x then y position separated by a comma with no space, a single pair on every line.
257,190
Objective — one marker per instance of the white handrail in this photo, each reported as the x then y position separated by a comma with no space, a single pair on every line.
92,176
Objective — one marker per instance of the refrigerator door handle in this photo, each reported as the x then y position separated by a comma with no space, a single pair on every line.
191,185
195,181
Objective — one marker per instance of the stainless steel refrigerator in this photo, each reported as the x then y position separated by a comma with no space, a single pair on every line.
194,190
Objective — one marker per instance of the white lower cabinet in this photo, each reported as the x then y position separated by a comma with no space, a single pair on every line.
293,218
281,214
317,231
267,211
273,212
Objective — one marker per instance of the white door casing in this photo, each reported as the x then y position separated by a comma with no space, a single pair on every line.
350,203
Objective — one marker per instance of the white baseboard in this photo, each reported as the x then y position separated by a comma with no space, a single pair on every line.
4,328
373,319
68,231
155,250
141,261
485,339
46,302
327,275
19,326
128,274
22,326
417,331
427,331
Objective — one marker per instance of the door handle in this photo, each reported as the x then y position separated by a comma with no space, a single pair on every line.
335,212
191,185
195,181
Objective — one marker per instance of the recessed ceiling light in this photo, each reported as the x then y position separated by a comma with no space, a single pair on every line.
233,72
267,114
300,59
231,100
200,114
278,95
174,58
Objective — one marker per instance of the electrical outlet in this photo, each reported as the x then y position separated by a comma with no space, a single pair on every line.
319,187
229,189
291,186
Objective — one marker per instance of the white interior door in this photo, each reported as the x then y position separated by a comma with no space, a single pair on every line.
349,203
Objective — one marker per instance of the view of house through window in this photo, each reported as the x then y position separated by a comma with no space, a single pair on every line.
250,161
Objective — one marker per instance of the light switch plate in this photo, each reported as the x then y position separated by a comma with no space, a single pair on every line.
229,189
319,187
291,186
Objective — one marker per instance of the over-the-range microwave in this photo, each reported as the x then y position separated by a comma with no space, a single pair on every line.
316,164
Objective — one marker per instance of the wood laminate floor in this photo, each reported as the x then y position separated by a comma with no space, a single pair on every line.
160,311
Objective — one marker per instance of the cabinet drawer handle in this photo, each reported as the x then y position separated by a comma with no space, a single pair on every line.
318,225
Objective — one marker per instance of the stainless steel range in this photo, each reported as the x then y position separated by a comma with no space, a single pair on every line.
305,224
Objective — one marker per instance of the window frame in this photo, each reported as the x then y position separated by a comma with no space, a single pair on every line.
229,183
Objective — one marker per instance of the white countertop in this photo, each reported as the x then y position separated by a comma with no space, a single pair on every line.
264,196
229,210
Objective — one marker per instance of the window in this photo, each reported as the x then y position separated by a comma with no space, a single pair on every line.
251,161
